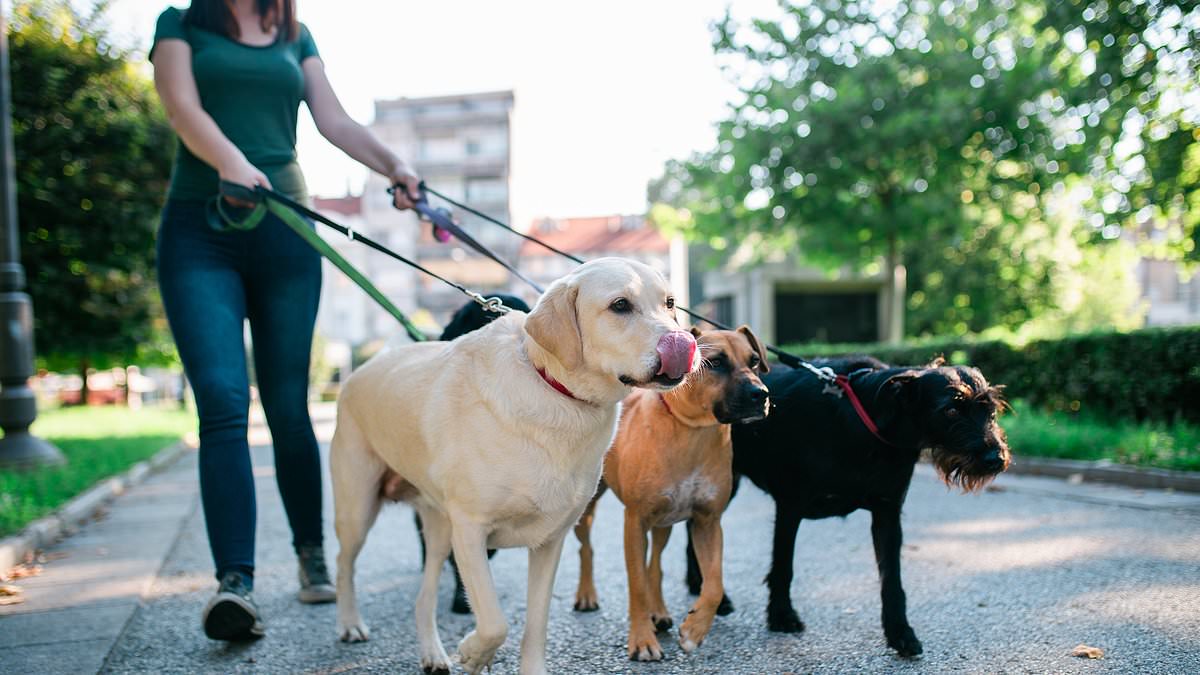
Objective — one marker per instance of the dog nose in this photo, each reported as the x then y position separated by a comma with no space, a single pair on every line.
759,395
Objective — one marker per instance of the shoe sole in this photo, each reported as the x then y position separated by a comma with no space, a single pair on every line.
230,618
318,595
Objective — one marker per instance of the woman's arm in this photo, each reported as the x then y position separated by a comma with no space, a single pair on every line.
176,87
353,138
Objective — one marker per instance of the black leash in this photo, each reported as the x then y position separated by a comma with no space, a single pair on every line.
787,359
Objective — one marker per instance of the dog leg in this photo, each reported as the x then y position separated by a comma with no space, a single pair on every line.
643,645
781,616
658,607
888,537
707,530
586,599
436,544
543,564
695,579
356,472
478,648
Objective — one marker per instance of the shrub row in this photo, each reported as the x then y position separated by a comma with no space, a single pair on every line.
1150,374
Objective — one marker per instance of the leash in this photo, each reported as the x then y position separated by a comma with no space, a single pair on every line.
223,216
786,358
835,385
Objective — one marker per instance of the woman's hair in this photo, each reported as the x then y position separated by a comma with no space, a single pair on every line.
217,16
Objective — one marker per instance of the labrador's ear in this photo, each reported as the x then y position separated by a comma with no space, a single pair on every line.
554,324
756,346
696,332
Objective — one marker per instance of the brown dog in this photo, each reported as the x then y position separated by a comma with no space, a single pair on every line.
672,461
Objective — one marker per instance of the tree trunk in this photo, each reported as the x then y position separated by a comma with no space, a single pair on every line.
897,287
84,365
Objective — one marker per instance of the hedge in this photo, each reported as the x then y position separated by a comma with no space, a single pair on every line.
1150,374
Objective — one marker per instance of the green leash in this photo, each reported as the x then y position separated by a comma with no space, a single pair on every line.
224,217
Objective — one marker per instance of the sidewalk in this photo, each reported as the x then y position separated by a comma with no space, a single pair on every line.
93,582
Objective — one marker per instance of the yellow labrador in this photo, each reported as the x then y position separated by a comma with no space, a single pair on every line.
497,439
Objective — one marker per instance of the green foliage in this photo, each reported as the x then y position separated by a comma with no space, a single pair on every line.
963,139
1151,374
1034,433
98,443
93,153
1130,100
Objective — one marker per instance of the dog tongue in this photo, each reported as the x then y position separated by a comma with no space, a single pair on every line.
676,350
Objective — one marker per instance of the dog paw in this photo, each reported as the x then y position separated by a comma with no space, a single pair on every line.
435,668
726,606
661,622
644,647
694,629
475,653
353,631
784,621
434,660
586,601
905,642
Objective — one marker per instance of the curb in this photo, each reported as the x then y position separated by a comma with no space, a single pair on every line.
1104,471
63,522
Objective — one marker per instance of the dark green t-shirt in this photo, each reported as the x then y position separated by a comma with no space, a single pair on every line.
253,94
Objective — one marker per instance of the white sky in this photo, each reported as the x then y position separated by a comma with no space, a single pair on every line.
606,92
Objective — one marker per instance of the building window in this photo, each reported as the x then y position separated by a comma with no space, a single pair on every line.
493,190
723,309
826,317
472,148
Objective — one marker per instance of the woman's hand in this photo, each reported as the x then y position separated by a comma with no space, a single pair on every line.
408,191
242,172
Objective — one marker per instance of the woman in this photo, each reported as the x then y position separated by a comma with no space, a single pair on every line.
232,74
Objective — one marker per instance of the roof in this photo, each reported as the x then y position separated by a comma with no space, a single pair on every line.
600,234
346,205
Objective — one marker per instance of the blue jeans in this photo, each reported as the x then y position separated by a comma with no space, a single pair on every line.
211,283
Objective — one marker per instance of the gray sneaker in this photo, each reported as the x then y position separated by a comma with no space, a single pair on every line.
231,614
315,587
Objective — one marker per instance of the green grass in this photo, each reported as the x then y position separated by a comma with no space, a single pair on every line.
98,442
1033,433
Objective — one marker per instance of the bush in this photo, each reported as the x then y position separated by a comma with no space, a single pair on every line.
1150,374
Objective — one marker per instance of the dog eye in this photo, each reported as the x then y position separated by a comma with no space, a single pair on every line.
717,361
621,306
754,360
951,412
670,303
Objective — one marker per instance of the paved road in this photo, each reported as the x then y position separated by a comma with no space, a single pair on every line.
1005,581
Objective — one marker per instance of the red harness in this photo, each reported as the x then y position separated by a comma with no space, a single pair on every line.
843,382
556,385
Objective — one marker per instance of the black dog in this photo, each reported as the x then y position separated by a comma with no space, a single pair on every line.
815,456
470,317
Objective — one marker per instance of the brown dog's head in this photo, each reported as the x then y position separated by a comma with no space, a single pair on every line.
727,383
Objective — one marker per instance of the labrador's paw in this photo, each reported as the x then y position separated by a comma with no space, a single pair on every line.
353,630
476,653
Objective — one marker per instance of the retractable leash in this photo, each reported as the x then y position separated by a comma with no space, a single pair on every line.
444,227
222,216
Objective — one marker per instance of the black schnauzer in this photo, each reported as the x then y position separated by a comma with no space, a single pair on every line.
815,456
470,317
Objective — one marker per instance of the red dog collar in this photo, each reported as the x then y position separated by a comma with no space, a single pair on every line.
843,382
556,385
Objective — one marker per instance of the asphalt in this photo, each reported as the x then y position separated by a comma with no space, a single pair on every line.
1006,581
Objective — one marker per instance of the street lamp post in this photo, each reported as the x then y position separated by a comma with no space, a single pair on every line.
18,405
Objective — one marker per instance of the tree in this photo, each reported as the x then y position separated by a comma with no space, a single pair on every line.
1129,110
93,153
936,135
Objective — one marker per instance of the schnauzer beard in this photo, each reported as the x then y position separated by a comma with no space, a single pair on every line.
966,472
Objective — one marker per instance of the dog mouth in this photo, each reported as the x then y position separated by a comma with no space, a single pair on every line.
661,382
675,358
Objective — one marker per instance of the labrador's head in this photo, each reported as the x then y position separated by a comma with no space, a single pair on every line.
614,319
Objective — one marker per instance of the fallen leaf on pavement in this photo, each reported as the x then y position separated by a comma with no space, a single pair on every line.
1085,652
21,571
10,595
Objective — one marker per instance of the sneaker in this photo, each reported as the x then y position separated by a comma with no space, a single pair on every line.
231,614
315,587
